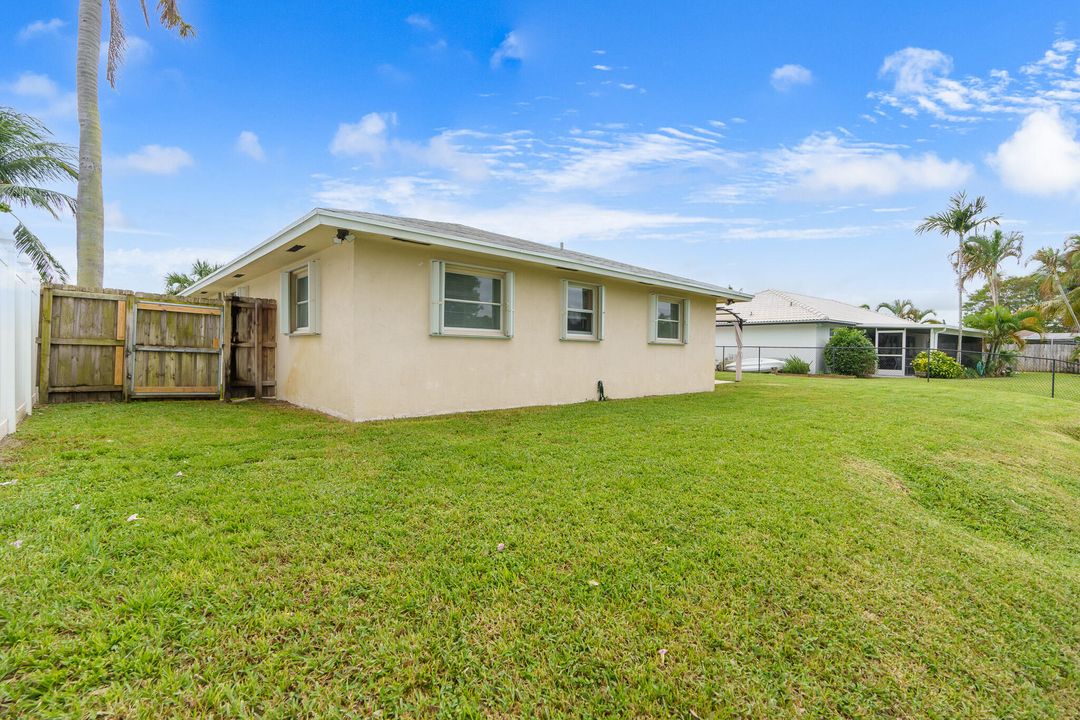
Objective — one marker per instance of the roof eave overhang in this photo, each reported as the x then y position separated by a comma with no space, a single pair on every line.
319,217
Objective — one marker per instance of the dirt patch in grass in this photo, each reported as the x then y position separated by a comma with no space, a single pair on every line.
870,470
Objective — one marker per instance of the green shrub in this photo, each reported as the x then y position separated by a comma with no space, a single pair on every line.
942,365
795,365
850,352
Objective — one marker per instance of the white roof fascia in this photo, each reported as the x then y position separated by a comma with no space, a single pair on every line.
322,217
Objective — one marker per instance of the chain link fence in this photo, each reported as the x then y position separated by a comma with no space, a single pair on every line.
1008,370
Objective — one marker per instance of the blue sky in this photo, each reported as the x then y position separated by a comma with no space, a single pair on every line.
790,145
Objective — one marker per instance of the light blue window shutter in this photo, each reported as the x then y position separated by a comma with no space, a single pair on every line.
285,305
601,310
686,322
565,291
436,312
652,317
314,296
509,304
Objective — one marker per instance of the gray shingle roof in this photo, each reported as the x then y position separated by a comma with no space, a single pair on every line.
465,232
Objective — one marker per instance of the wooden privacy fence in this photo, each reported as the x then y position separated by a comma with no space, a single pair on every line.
117,344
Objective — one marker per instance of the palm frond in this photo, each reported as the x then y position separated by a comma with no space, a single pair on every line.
117,43
169,16
44,262
175,282
50,201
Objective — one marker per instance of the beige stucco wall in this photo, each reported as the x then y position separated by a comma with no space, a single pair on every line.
376,359
317,371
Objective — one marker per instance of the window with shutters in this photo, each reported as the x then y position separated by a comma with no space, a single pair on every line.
299,300
471,301
583,311
301,317
668,321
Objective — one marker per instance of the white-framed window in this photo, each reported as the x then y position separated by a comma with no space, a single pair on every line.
582,311
669,319
471,301
298,311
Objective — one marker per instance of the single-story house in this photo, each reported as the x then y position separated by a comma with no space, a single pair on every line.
384,316
777,324
1068,339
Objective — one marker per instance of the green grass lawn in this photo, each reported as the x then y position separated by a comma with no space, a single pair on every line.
786,547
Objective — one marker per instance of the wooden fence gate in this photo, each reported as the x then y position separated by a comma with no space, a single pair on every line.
250,348
116,345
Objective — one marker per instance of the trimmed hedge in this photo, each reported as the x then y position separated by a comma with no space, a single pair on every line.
942,365
850,352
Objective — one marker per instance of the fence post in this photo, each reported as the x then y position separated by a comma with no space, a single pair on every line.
1053,376
759,359
46,345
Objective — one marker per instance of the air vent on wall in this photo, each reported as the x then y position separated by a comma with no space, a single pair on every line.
411,242
295,248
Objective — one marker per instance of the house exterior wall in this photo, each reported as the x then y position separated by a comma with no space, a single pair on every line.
375,357
777,341
318,371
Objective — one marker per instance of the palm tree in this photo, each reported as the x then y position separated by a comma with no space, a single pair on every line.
175,282
905,309
28,158
1004,327
961,218
982,255
897,307
1055,264
90,217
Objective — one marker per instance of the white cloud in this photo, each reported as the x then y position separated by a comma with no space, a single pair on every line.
392,193
786,77
1042,157
50,100
1054,59
922,84
602,162
146,268
534,219
367,137
599,52
248,144
420,21
39,28
34,85
602,68
727,194
156,160
511,48
806,233
914,69
824,163
371,137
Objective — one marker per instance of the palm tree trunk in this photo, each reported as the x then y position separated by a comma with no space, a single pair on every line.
994,280
1065,299
90,215
960,300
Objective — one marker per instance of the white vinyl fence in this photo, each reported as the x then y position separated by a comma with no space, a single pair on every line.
20,294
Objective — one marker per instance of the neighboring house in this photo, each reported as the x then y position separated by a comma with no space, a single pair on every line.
778,324
385,316
1068,339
